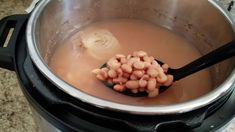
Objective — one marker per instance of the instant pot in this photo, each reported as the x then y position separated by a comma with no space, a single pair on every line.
58,106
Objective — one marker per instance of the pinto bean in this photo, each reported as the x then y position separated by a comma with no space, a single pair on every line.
119,87
105,69
120,80
96,71
138,73
156,67
141,54
119,56
159,69
116,81
128,57
145,77
115,65
143,83
132,84
100,77
111,61
152,84
104,74
162,78
154,62
152,72
133,77
112,73
123,80
139,65
126,68
147,59
169,81
165,68
132,60
147,64
123,60
153,93
126,75
119,72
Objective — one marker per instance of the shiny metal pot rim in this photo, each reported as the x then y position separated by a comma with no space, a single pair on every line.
205,100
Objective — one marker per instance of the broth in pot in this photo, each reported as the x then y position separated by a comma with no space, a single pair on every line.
73,62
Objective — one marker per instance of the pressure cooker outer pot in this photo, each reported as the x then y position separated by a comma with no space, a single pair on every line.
68,114
199,22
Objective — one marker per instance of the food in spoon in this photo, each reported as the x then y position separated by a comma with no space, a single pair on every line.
136,72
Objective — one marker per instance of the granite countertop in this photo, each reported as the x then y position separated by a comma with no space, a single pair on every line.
15,114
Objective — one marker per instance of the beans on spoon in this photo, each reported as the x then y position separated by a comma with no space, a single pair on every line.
135,75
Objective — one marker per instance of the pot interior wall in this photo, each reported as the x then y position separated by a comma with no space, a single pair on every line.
197,21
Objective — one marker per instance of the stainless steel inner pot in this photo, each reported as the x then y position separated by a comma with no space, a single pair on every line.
204,23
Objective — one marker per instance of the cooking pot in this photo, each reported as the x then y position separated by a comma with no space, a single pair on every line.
52,21
201,22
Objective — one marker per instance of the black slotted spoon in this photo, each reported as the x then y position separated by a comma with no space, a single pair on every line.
222,53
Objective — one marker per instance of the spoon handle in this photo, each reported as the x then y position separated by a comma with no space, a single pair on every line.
217,55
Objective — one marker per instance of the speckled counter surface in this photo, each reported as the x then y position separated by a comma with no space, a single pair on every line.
15,114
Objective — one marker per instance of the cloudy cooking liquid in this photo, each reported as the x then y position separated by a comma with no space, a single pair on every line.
74,64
